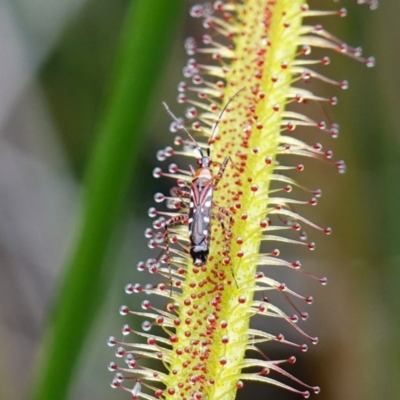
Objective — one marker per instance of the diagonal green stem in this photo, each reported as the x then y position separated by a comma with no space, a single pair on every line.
146,37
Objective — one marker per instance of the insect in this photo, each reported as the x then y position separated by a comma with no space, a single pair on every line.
201,204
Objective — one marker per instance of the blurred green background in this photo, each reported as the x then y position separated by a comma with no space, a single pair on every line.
66,83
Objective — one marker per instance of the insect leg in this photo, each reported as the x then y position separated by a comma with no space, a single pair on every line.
221,171
191,170
225,212
221,214
182,195
172,221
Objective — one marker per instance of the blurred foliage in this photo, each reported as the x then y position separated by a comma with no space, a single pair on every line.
107,179
84,58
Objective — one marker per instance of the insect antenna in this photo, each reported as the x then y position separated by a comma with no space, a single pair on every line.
183,127
221,113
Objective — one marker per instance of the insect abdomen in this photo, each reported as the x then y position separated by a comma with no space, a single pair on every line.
199,220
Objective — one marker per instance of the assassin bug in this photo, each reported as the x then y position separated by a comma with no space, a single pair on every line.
200,198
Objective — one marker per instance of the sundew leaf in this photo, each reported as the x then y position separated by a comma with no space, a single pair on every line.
246,92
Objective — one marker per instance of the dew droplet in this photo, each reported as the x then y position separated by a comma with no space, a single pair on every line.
141,266
316,389
296,264
124,310
146,304
159,197
119,377
161,156
126,330
325,60
314,340
294,318
324,281
120,352
370,62
304,315
157,172
114,384
223,360
344,85
306,50
313,201
112,366
182,86
309,299
129,288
